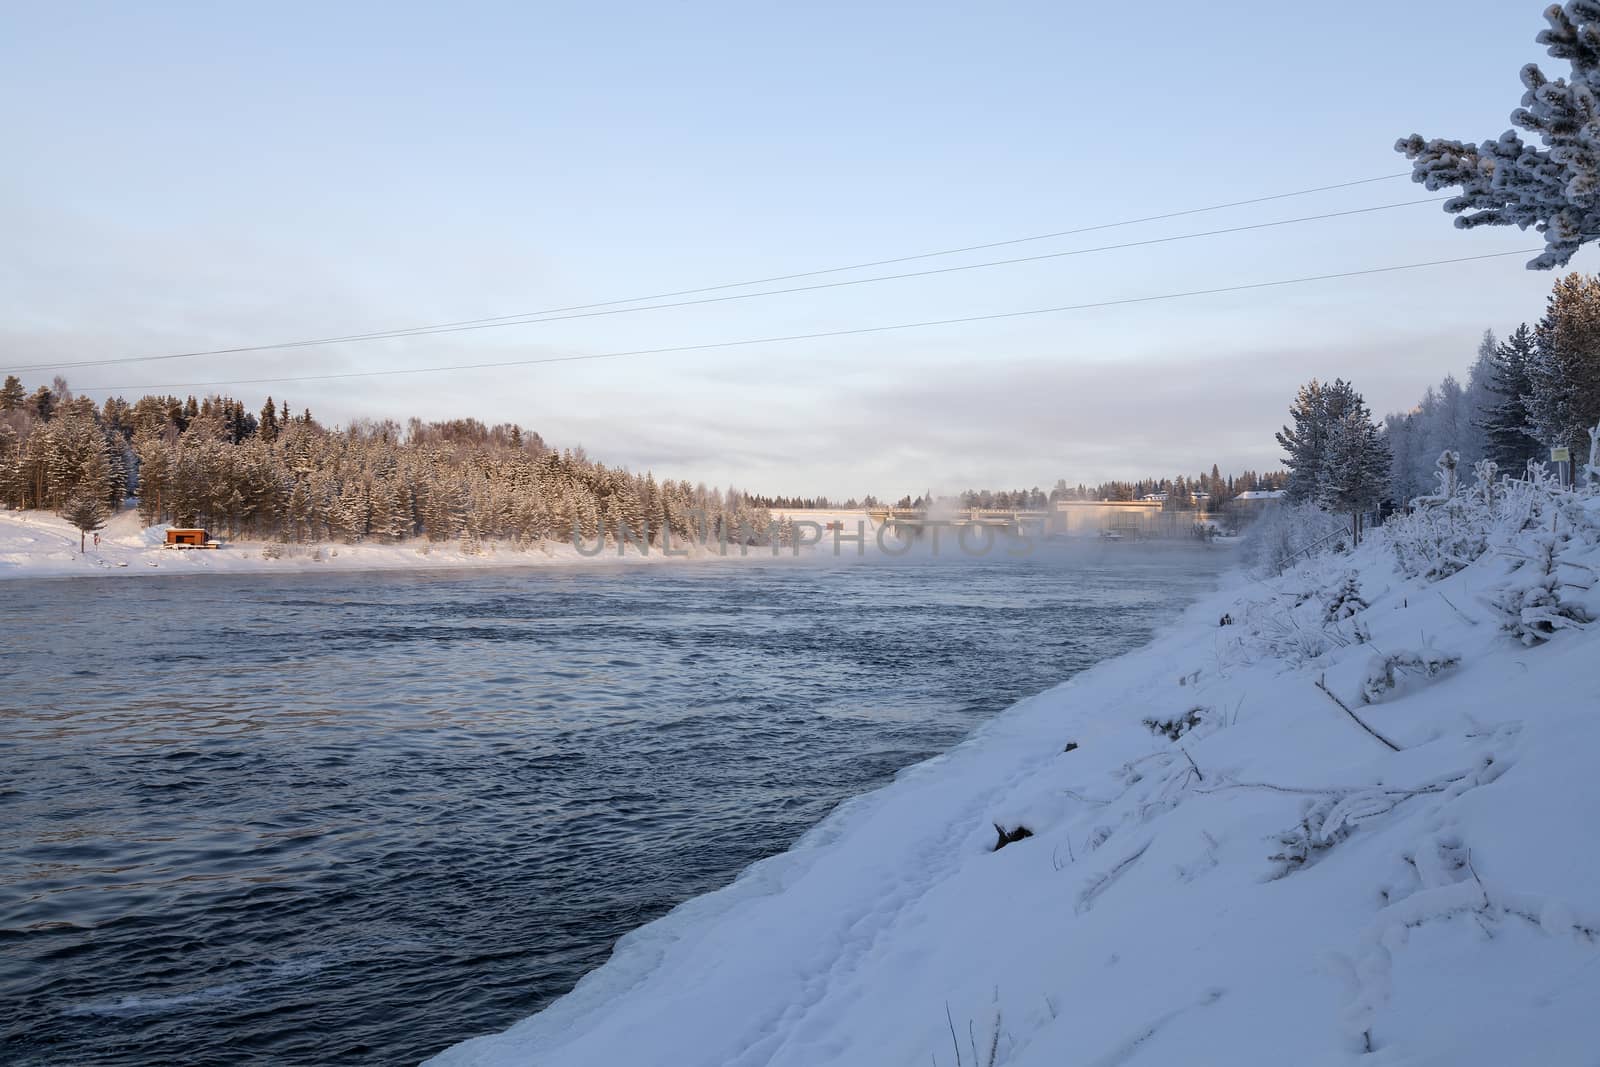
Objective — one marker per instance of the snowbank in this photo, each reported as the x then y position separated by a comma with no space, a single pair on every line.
38,544
1274,885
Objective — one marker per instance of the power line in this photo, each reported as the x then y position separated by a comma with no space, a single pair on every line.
856,331
551,317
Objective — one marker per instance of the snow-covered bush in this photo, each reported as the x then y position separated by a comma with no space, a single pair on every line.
1591,469
1448,529
1300,845
1530,605
1383,672
1175,726
1289,533
1445,470
1275,630
1346,600
1436,542
1527,503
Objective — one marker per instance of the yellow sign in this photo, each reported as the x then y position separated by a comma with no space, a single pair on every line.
1560,455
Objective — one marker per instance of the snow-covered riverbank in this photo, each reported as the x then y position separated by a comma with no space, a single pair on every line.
39,544
1353,824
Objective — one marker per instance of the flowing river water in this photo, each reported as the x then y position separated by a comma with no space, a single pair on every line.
355,818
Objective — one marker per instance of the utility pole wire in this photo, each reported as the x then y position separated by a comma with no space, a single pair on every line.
820,335
612,307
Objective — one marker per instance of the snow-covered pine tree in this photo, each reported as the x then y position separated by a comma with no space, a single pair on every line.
1355,466
87,513
1317,408
12,395
1564,371
97,476
1400,431
347,516
1509,182
403,513
1480,398
63,445
1504,419
155,478
380,516
1304,442
42,403
13,477
1346,601
298,520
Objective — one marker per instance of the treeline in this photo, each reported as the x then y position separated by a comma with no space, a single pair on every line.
1537,389
1211,490
275,475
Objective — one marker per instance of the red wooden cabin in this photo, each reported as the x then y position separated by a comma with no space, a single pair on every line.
184,538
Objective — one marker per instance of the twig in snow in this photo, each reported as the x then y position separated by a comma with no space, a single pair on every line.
954,1043
1457,610
1432,787
1475,878
1346,708
1099,885
1192,763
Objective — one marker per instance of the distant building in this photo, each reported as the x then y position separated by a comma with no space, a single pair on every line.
178,537
1108,518
1249,506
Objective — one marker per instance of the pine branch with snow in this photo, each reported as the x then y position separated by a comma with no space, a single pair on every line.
1384,671
1555,189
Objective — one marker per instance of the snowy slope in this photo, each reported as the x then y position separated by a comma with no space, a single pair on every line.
1435,905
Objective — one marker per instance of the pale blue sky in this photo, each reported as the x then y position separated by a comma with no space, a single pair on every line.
184,176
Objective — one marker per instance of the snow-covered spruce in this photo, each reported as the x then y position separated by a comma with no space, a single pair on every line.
1346,601
1533,604
1278,885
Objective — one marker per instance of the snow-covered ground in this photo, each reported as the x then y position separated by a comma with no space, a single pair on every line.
39,544
1269,884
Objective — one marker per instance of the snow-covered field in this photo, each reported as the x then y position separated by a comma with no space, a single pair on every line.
38,544
1225,866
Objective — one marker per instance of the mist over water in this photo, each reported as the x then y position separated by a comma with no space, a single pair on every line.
356,818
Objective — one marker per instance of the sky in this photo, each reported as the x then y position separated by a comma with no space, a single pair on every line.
191,177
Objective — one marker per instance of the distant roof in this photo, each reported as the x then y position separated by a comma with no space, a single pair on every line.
1262,494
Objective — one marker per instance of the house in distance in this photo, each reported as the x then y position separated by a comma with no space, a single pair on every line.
179,537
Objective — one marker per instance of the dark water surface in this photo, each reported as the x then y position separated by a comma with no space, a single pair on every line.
346,818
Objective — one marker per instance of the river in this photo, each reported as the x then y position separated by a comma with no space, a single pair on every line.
347,818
